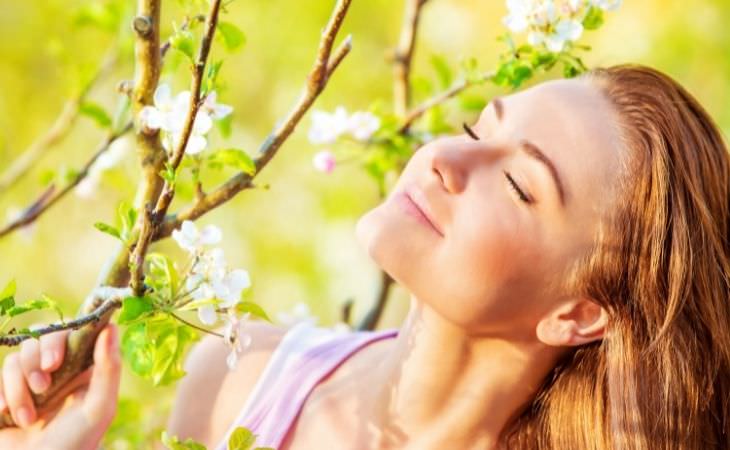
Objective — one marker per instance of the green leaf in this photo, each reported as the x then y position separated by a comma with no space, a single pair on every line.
137,349
44,302
7,297
184,42
162,275
241,439
253,308
443,71
224,126
127,217
593,18
133,308
108,229
232,36
211,77
232,157
173,443
168,174
9,290
96,112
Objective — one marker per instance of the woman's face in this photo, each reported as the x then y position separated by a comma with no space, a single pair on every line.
490,259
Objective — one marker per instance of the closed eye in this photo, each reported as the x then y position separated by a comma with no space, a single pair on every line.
515,187
470,132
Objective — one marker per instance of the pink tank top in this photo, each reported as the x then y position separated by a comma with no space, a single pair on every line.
306,355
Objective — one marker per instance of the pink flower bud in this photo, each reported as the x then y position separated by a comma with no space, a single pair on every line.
324,161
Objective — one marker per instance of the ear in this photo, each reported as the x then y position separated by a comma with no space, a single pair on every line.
574,322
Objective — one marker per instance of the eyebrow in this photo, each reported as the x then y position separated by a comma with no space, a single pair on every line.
534,151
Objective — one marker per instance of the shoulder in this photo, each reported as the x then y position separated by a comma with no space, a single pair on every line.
214,393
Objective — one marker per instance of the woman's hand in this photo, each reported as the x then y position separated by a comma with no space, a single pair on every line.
82,420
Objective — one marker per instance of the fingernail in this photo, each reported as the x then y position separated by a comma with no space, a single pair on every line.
47,359
38,381
25,418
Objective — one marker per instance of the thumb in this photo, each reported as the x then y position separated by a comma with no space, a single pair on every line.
100,402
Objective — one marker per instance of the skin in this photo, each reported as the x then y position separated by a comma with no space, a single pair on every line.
487,318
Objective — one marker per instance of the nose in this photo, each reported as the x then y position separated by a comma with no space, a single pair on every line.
454,161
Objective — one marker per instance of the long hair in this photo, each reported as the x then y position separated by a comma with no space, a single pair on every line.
660,378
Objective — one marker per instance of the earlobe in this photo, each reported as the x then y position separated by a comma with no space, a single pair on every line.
572,323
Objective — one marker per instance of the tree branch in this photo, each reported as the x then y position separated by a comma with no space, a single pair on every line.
57,132
316,82
50,196
80,343
404,55
454,90
94,316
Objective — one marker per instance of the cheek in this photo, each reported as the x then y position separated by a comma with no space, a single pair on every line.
490,261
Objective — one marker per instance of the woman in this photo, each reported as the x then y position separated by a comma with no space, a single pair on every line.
568,264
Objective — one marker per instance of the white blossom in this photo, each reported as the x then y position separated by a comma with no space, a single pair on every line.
236,337
189,238
362,125
552,23
117,151
214,109
169,114
326,127
300,313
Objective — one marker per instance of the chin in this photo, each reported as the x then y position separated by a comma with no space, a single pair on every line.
385,239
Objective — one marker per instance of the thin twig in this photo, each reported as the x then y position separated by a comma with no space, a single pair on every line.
316,82
58,131
16,339
370,321
51,195
404,55
436,100
190,324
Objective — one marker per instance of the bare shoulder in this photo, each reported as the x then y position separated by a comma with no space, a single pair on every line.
210,396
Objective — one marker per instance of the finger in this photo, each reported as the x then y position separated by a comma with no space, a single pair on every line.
100,402
53,350
3,403
16,392
30,361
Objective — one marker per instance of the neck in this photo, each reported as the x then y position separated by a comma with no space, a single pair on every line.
440,387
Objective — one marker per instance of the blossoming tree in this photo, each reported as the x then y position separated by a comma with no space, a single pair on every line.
152,290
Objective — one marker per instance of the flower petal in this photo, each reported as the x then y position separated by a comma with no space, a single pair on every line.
207,315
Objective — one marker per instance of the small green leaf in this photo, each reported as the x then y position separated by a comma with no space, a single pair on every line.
241,439
7,297
133,308
253,308
96,112
224,125
9,290
443,71
232,157
184,42
168,174
127,217
593,18
232,36
211,77
108,229
173,443
44,302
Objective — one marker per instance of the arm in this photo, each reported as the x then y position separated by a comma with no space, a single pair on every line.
210,396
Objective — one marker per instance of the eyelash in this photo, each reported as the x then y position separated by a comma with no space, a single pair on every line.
511,181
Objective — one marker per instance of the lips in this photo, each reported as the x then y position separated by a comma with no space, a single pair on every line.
415,204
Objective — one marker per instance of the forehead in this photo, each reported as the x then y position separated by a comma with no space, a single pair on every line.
575,126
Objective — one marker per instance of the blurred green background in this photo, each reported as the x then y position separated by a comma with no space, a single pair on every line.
296,239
